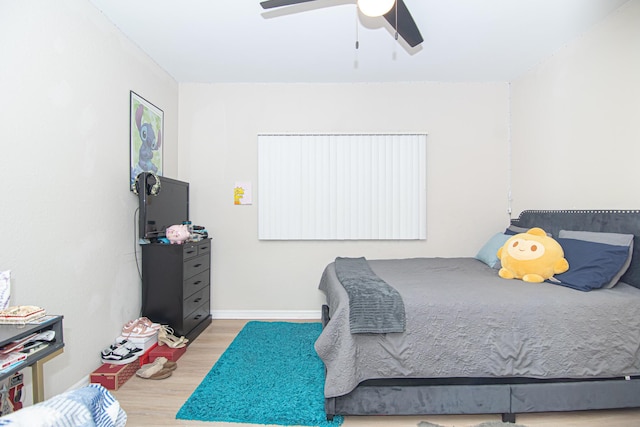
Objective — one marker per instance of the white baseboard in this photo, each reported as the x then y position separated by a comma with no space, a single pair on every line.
82,383
266,314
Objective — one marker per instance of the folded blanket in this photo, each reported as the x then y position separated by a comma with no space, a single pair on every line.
374,305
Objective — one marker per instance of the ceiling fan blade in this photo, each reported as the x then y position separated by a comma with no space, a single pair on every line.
270,4
407,27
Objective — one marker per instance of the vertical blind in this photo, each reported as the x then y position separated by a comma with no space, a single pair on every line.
342,187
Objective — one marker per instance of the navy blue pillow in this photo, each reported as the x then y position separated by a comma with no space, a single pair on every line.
512,230
591,265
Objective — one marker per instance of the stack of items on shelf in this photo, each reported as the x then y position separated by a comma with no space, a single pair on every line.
14,353
21,314
144,348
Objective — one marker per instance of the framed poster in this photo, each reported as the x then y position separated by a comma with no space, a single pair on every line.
146,128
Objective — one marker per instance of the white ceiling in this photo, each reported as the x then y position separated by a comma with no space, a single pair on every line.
237,41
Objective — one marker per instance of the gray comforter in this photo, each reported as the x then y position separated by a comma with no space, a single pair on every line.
462,320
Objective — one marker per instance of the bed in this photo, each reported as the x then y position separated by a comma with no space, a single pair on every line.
474,343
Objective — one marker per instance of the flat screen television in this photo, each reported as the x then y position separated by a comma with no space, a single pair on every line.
168,207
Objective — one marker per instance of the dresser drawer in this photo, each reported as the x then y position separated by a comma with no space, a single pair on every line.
189,250
191,320
193,301
195,266
204,247
195,283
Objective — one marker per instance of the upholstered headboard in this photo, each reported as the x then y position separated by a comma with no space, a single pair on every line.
610,221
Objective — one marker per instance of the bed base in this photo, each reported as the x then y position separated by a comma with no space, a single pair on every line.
505,399
508,397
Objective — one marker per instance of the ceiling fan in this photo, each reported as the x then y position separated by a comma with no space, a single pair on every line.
394,11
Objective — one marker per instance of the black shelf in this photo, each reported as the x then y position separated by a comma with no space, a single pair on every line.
10,333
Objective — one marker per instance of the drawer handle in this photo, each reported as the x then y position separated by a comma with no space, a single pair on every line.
191,252
197,299
197,317
197,282
197,265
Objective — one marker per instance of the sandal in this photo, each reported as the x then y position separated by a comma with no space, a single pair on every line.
165,336
169,331
159,369
160,375
151,368
168,364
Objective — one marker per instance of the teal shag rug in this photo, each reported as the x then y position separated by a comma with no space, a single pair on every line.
269,374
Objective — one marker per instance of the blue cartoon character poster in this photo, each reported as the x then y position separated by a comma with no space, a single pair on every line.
145,139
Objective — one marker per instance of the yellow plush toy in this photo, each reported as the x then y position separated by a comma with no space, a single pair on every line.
532,256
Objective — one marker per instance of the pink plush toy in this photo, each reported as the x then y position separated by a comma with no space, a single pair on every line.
177,234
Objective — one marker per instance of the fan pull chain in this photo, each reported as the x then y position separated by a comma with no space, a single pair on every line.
357,33
396,6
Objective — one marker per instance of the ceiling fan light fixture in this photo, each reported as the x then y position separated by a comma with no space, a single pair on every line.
375,8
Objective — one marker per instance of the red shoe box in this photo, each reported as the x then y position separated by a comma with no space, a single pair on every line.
172,354
112,377
144,358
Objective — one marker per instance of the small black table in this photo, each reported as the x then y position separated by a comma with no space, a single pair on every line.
10,333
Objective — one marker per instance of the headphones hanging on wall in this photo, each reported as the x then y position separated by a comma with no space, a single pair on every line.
152,190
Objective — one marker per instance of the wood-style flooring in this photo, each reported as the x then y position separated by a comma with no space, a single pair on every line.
156,402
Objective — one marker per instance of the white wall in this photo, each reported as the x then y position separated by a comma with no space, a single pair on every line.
576,122
66,212
467,127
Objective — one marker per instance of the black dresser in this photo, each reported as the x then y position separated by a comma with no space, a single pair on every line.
176,286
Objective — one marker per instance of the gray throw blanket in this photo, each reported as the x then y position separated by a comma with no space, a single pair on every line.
374,305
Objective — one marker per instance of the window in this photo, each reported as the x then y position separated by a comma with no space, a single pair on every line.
342,187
